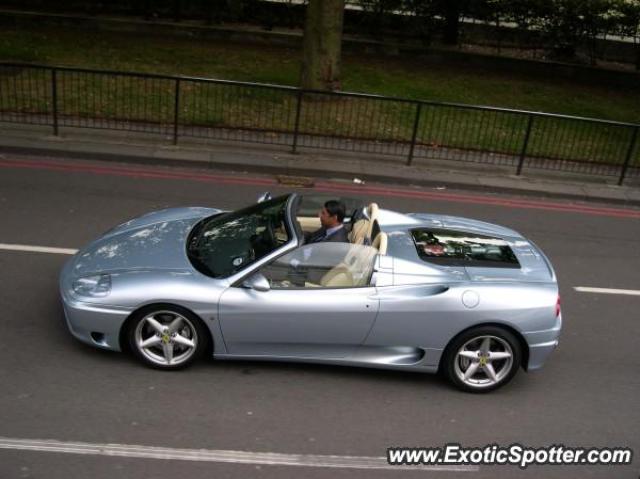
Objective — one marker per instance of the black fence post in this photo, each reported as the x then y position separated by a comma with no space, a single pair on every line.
54,99
296,128
414,135
627,160
176,112
523,152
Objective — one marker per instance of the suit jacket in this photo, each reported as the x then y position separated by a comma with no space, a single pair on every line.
339,236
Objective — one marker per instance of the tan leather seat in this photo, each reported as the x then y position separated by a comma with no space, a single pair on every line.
308,224
337,277
361,229
380,243
372,211
354,271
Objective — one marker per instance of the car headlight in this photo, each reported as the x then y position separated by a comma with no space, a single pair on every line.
94,286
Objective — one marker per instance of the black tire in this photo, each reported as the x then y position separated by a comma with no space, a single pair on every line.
454,367
153,325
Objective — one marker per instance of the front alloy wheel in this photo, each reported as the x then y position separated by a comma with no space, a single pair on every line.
482,359
167,338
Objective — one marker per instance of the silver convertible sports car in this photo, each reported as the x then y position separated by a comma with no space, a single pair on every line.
418,292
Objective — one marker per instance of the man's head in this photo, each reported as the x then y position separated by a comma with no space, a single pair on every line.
332,214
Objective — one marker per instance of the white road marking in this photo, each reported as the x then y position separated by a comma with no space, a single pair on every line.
36,249
585,289
215,455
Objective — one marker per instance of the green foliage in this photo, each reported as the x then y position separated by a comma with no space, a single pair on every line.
205,105
561,27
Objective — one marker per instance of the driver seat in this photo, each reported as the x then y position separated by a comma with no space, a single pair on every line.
361,229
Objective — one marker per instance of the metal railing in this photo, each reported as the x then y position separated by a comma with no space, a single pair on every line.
407,131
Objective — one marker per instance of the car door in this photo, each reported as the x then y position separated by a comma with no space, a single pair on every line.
318,303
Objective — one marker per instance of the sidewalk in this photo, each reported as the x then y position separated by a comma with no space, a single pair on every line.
278,159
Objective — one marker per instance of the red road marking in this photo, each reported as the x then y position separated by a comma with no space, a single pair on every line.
328,187
136,172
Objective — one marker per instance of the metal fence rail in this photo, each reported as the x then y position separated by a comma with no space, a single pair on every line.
411,131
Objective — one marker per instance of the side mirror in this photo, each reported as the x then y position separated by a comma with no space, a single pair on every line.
257,282
266,196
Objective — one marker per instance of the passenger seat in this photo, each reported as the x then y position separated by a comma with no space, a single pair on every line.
380,243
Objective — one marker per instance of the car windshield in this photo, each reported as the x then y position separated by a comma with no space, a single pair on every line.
222,245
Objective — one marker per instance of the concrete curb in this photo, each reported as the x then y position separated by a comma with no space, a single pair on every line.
269,159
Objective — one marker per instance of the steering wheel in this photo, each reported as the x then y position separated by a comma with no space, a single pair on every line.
269,235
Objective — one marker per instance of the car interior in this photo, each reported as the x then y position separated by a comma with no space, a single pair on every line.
353,271
356,267
349,266
362,225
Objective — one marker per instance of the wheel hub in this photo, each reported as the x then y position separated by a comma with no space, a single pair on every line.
166,338
484,361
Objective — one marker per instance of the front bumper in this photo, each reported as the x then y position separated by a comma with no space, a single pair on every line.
96,324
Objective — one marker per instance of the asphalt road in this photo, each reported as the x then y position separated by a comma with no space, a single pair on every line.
55,388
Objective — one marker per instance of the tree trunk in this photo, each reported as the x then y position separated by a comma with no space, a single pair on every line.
177,11
322,45
451,22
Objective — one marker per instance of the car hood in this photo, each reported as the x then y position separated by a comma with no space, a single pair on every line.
155,241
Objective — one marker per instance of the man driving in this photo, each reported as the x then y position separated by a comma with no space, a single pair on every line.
332,230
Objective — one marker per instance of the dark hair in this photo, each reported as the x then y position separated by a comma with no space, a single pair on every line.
335,208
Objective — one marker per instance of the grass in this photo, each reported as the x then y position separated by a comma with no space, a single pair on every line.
216,105
482,87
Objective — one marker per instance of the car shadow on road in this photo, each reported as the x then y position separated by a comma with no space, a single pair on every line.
391,378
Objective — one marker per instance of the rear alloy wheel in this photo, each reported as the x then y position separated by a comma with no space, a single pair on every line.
167,338
482,359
